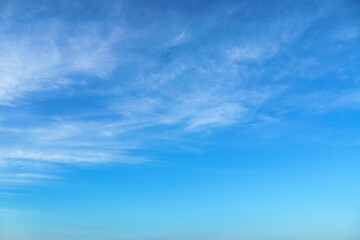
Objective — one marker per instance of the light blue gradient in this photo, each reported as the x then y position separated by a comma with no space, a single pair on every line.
179,120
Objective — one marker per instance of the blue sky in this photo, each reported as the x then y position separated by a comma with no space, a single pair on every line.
182,120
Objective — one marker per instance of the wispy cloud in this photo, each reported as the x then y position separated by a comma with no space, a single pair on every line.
43,56
346,34
229,76
179,37
12,178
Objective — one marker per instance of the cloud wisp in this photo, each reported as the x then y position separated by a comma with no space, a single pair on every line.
43,55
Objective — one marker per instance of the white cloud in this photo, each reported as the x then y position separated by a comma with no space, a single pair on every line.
20,166
44,56
179,38
224,114
252,52
27,176
17,178
200,108
346,34
268,39
194,110
58,156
